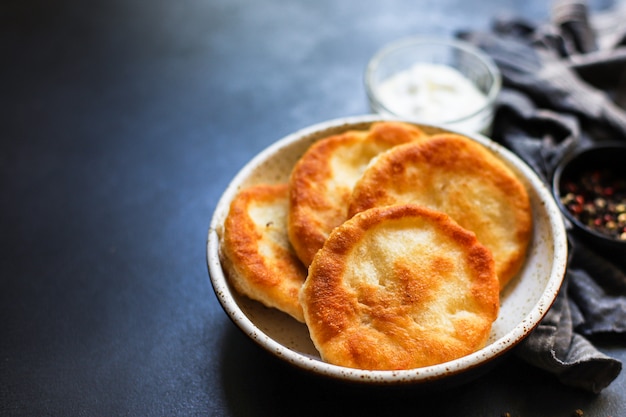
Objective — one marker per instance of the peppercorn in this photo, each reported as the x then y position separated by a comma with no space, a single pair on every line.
597,199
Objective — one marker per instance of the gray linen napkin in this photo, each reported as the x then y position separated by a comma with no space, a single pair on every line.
561,86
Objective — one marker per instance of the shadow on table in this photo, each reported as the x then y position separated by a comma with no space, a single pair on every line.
256,383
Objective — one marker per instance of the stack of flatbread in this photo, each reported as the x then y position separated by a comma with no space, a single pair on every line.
390,244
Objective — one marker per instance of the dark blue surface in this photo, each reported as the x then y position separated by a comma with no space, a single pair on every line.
121,124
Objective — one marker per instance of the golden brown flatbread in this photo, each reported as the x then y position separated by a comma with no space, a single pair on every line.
256,252
456,175
321,181
400,287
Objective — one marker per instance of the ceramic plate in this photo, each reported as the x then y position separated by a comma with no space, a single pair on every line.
524,301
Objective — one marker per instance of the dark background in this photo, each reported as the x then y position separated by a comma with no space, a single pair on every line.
121,123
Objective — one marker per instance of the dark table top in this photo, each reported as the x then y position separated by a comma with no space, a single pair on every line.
122,122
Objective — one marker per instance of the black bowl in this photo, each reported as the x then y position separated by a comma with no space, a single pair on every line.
590,189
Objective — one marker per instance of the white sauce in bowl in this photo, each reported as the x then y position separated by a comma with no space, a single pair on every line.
433,92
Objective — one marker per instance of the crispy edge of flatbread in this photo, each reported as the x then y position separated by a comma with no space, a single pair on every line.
411,306
391,176
258,258
322,179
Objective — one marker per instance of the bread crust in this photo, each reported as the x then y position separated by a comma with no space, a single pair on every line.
456,175
256,253
321,181
400,287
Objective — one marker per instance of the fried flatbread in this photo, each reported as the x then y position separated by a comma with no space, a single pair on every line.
456,175
256,252
400,287
321,181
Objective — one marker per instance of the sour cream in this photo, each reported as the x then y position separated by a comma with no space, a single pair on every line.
436,94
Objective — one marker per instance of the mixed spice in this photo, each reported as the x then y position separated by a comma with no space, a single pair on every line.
597,198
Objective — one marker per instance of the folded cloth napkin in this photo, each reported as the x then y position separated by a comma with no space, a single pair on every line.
562,85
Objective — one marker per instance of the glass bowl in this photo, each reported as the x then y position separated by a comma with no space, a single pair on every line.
447,82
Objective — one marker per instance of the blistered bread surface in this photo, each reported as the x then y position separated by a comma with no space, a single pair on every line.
256,253
322,180
400,287
455,175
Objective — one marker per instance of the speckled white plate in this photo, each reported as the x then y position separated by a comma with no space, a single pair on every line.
524,301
